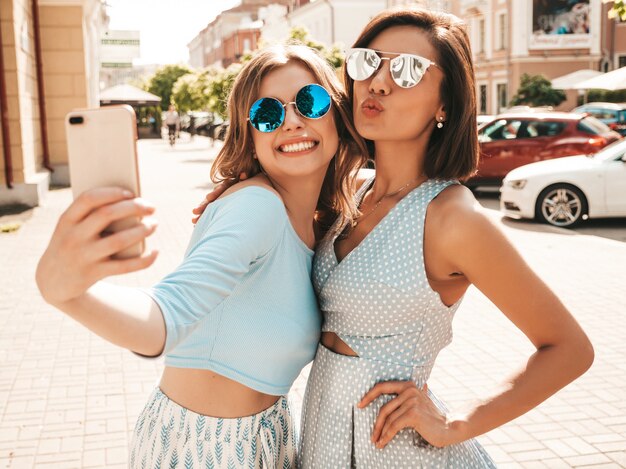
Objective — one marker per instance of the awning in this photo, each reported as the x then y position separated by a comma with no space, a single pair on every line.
568,82
615,80
128,94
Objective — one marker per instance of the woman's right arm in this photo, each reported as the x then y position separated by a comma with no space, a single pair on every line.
77,258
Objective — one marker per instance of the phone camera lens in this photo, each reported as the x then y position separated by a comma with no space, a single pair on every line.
76,120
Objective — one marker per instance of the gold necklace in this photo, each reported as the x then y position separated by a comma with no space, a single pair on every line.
380,201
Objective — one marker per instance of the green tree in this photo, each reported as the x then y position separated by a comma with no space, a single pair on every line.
218,88
536,90
162,82
190,92
618,9
333,54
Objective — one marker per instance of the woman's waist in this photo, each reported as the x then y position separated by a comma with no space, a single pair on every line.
209,393
407,348
368,370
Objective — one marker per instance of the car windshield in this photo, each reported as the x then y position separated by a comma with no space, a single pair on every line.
502,129
593,126
612,152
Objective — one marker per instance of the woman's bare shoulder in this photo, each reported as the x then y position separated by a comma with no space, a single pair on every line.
454,198
456,214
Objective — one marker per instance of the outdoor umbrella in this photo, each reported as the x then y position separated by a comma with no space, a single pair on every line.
568,82
127,94
615,80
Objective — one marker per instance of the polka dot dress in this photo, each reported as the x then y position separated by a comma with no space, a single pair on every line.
379,302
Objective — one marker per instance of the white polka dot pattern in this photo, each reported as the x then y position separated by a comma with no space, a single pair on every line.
379,302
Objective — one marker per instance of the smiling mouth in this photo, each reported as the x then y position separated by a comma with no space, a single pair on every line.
298,147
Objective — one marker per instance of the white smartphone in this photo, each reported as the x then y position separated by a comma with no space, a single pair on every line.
102,149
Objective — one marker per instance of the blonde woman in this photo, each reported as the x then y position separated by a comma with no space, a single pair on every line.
238,319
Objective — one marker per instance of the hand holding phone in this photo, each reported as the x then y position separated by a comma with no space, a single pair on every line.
77,256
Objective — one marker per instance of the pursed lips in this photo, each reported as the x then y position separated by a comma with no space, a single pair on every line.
372,104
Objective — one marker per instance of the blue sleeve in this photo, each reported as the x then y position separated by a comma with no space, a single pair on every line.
241,229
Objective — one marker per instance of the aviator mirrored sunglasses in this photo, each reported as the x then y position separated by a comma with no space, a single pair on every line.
406,70
268,114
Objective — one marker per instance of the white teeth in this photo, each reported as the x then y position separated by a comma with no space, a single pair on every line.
300,146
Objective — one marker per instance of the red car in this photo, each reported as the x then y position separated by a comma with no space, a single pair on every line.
513,140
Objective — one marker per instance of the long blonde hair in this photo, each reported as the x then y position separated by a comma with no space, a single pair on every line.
236,156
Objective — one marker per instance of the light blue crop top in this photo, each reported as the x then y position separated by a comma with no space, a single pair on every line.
241,303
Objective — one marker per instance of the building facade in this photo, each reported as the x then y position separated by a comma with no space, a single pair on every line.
336,21
118,51
49,66
231,34
513,37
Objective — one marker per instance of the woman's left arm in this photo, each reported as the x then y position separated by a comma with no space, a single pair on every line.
563,351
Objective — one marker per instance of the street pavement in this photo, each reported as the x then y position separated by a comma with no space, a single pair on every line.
68,399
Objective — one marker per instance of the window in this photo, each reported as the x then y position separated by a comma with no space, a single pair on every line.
246,45
502,129
602,114
481,35
502,31
544,129
483,99
621,61
593,126
502,96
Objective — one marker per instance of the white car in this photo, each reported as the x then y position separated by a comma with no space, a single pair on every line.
564,191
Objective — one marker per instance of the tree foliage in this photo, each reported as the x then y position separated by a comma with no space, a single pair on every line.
604,96
618,10
190,92
536,90
218,89
162,82
333,55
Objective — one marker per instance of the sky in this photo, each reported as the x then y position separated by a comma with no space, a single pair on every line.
166,26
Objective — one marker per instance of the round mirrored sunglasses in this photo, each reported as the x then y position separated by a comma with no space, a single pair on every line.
268,114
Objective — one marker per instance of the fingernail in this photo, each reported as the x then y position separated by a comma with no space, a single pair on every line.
146,204
128,194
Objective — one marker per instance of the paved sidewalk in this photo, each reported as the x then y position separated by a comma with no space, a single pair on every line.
68,399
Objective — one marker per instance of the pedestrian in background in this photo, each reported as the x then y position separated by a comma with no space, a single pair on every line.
192,126
172,121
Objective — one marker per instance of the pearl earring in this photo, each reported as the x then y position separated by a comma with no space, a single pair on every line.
440,123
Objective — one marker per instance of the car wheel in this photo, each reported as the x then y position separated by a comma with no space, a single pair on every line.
561,205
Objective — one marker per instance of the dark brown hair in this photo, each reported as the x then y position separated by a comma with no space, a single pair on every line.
453,150
235,157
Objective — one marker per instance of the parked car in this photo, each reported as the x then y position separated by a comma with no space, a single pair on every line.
564,191
483,119
612,114
523,108
513,140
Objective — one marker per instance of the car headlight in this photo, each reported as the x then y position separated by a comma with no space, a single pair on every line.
516,183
